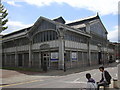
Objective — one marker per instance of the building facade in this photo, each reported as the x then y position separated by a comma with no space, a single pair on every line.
117,50
0,50
52,44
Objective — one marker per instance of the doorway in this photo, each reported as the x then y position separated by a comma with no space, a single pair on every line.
45,61
99,57
20,61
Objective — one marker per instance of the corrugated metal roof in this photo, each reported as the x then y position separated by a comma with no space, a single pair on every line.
17,32
80,21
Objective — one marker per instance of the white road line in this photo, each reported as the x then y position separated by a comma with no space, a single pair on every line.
75,82
76,79
112,68
94,73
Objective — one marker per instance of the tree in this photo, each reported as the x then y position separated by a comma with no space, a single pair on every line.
3,19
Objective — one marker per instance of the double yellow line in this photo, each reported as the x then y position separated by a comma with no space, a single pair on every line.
20,83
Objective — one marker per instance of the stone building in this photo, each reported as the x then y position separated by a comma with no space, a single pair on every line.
55,44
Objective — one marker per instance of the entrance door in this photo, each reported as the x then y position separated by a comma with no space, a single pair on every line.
20,60
45,61
99,57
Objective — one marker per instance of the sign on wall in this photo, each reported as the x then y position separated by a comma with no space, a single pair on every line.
54,56
74,56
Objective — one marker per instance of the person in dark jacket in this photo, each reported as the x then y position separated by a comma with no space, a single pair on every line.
106,78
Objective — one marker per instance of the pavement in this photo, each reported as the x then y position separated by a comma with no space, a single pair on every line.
11,76
69,79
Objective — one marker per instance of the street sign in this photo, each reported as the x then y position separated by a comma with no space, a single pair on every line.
74,56
54,56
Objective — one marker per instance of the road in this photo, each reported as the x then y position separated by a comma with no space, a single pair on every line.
75,80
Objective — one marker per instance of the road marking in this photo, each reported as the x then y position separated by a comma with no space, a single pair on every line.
94,74
112,68
20,83
76,80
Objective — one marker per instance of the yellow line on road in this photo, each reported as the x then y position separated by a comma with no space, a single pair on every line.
20,83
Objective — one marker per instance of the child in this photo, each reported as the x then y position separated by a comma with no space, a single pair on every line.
91,84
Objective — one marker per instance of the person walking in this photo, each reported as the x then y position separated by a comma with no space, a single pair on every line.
91,84
106,78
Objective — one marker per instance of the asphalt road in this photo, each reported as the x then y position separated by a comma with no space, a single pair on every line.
75,80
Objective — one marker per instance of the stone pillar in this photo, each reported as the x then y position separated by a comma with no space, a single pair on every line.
16,59
70,59
61,33
89,53
88,43
83,61
30,54
40,59
5,59
0,50
16,54
61,53
118,72
23,59
77,63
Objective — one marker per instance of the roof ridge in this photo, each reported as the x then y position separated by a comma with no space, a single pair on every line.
56,17
82,19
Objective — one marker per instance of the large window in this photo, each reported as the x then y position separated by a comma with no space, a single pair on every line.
95,40
45,36
75,37
16,42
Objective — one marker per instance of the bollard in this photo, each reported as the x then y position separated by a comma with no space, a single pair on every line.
118,71
106,87
101,87
115,83
118,75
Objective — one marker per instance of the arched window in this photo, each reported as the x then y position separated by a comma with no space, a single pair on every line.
45,36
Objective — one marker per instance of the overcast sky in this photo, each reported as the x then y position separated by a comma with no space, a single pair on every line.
24,13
